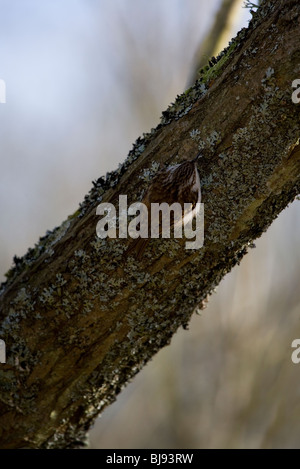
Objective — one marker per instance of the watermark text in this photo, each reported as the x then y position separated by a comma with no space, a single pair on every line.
152,222
296,93
2,351
2,91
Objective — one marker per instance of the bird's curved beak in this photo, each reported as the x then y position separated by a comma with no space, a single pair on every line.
197,157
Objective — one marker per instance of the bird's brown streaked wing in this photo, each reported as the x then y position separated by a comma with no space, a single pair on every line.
173,184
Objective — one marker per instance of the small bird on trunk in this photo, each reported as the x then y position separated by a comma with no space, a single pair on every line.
179,183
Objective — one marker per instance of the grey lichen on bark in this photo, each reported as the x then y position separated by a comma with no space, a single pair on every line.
77,318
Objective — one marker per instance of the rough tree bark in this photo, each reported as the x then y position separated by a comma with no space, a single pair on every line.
79,321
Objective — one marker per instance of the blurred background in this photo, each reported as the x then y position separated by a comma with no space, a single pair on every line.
85,78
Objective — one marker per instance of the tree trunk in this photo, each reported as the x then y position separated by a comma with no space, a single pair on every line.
77,318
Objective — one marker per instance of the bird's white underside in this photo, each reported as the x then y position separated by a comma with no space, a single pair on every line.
190,214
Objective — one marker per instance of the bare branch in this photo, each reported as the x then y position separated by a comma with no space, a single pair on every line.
217,37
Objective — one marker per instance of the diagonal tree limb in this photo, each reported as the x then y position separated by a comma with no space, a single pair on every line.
217,37
79,321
